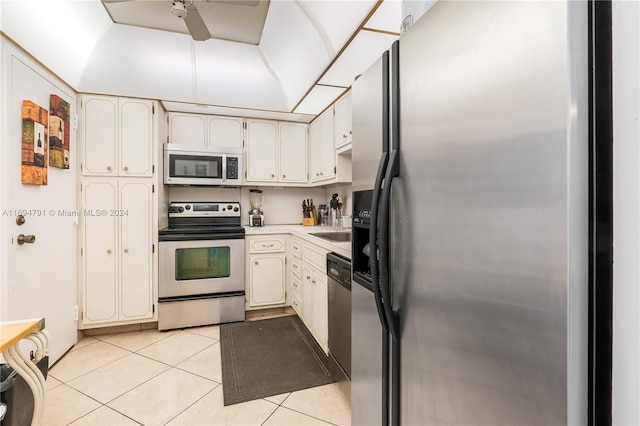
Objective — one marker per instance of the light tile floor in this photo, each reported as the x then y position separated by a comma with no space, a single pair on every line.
152,377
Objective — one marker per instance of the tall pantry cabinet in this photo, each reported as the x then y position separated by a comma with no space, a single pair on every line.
118,214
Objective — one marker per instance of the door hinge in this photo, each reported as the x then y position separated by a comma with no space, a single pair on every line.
80,187
167,138
81,252
153,188
74,122
153,308
80,166
153,169
335,169
285,260
153,109
153,248
245,174
75,313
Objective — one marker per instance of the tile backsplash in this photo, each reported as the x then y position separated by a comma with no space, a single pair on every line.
282,205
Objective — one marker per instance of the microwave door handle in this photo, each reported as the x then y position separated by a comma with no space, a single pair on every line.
224,167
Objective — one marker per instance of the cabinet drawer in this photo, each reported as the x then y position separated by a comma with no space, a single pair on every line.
296,287
296,304
315,256
296,267
267,245
296,247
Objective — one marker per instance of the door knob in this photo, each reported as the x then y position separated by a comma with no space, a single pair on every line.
20,220
28,239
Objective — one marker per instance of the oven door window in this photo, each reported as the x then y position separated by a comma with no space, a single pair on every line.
195,166
203,263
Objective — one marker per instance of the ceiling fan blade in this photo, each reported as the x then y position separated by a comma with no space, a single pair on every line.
195,24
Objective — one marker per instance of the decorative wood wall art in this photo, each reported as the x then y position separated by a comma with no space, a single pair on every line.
59,125
35,146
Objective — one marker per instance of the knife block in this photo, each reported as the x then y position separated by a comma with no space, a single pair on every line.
313,220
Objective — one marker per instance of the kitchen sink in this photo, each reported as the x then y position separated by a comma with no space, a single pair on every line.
340,237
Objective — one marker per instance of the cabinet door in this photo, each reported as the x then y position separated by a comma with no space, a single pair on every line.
136,137
136,217
342,122
320,309
189,129
99,246
307,296
327,147
322,148
293,152
226,132
99,134
267,279
262,151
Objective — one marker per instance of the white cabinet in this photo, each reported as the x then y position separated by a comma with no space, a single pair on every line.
276,152
323,151
295,276
265,273
262,151
314,303
117,250
189,129
342,124
205,130
293,152
227,132
314,292
118,136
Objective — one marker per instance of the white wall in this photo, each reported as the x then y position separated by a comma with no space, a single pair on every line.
626,287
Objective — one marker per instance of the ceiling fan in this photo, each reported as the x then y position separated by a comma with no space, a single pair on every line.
187,11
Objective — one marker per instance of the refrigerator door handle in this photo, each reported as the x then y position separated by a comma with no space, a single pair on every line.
373,239
385,278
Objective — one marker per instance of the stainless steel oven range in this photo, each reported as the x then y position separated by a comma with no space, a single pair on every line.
201,274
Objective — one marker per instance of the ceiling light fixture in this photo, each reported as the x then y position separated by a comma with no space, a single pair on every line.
179,9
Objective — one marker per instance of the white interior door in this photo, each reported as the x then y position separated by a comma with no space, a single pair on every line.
38,279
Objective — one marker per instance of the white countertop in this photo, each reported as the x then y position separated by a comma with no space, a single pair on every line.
303,232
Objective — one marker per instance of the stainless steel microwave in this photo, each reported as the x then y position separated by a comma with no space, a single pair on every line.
192,165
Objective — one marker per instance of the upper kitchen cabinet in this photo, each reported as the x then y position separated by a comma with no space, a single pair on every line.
189,129
342,123
226,132
276,152
205,130
323,151
262,151
293,152
117,136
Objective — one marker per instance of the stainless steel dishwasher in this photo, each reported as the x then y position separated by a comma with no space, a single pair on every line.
339,283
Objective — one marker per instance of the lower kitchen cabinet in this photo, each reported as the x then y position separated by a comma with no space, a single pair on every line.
266,279
314,304
314,292
266,271
117,251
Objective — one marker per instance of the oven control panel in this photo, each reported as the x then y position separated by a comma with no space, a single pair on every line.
204,209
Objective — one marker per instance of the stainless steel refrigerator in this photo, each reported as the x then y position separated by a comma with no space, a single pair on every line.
470,236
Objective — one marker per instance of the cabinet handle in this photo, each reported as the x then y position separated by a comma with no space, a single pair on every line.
295,284
320,173
344,137
126,251
126,169
267,245
108,251
255,263
308,277
284,176
313,282
109,168
272,175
